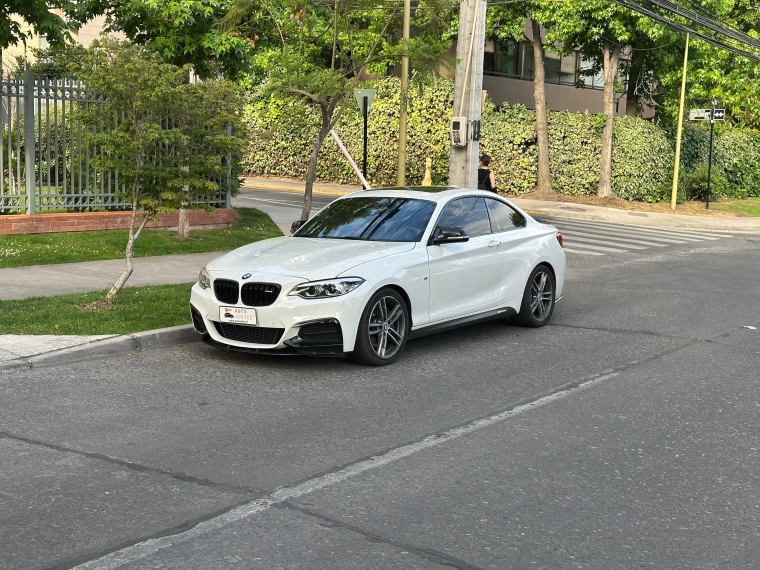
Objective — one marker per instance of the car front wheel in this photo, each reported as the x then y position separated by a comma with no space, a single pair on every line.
383,329
538,299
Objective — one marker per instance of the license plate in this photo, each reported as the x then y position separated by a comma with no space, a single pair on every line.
237,315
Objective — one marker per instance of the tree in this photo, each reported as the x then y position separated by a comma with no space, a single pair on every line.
600,30
185,32
171,142
508,22
49,18
319,49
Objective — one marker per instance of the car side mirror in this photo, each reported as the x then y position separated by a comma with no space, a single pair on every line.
448,234
295,225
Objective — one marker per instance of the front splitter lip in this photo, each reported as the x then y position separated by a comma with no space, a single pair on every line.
287,350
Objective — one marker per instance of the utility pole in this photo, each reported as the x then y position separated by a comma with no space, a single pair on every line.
401,174
674,192
468,85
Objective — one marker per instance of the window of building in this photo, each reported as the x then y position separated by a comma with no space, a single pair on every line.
567,68
527,60
551,66
515,59
509,59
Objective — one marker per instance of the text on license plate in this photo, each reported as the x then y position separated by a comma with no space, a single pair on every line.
237,315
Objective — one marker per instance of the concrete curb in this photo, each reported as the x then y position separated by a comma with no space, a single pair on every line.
114,346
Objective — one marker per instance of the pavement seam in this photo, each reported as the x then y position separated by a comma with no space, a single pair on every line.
180,528
131,465
625,331
430,555
139,550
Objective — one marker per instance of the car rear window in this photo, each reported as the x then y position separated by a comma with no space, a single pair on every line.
371,219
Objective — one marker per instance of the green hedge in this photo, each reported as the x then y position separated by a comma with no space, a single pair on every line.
282,132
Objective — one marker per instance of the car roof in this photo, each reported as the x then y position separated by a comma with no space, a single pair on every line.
430,193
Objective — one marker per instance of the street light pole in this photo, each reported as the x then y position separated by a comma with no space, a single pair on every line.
365,111
401,174
709,156
364,98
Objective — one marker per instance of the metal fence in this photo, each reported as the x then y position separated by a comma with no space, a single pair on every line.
45,165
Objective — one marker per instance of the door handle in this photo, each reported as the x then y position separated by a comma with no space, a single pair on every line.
494,243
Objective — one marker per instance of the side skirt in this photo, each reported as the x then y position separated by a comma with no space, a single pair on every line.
463,321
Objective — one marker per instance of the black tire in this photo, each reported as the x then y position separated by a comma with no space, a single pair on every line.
538,298
385,319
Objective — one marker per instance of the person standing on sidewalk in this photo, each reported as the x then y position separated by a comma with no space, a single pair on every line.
486,179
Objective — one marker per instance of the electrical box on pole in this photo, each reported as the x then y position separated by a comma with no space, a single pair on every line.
468,87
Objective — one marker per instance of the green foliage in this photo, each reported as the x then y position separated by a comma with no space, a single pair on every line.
695,187
737,157
185,32
280,130
42,17
171,141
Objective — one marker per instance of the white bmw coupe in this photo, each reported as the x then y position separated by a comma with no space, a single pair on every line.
378,267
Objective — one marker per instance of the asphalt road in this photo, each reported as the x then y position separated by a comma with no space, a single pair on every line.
623,435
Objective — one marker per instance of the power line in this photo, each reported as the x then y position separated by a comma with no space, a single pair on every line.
705,22
631,5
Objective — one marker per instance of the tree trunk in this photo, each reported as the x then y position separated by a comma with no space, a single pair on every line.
311,172
133,235
544,184
183,223
328,122
183,217
611,59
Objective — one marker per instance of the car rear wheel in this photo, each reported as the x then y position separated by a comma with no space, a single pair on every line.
383,329
538,299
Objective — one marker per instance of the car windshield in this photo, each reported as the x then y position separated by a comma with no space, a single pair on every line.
371,218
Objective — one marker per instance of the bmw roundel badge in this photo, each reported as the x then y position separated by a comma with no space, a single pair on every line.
246,276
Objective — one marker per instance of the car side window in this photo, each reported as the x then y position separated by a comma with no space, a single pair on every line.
469,214
503,218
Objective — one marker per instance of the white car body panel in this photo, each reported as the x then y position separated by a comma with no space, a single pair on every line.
441,282
464,278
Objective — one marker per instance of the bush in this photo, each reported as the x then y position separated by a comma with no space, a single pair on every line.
695,186
282,132
736,154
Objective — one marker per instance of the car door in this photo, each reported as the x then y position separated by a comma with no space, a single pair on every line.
508,227
465,277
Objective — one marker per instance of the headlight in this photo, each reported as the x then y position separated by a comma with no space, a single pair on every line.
204,279
327,288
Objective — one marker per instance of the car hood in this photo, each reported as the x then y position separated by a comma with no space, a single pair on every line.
309,258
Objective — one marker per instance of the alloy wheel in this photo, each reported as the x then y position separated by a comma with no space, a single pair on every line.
387,327
541,295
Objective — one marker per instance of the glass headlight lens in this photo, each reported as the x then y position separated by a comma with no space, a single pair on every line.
204,279
326,289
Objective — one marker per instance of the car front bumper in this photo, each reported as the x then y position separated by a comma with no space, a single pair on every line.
281,325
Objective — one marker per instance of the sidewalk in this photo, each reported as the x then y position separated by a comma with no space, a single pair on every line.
567,210
20,352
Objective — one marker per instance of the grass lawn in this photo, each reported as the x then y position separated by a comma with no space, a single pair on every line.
45,249
135,309
746,207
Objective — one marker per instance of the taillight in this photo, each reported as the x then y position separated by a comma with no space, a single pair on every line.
560,240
